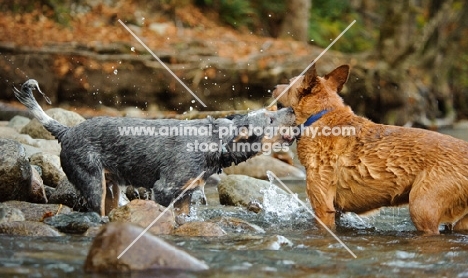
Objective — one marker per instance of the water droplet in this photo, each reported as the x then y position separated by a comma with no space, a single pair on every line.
193,101
116,71
132,49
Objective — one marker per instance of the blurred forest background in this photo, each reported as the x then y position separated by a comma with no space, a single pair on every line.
408,58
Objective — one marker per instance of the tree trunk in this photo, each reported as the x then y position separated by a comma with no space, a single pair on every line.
296,21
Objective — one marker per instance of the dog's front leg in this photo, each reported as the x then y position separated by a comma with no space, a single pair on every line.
321,192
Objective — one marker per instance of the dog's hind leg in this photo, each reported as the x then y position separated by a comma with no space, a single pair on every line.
425,208
462,224
88,178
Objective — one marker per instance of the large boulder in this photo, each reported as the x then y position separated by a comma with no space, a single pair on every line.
15,172
258,166
240,190
65,117
143,213
146,253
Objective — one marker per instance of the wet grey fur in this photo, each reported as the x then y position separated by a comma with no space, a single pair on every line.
160,163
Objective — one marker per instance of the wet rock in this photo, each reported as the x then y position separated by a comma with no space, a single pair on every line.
38,194
74,222
68,118
15,172
143,213
36,212
254,206
240,190
93,231
9,214
66,194
28,228
18,122
200,229
52,172
148,252
257,167
236,225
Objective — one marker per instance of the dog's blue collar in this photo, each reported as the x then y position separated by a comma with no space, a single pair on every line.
315,117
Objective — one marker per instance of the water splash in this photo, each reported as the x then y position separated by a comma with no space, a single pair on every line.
277,203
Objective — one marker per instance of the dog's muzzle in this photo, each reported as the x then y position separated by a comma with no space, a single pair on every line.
288,138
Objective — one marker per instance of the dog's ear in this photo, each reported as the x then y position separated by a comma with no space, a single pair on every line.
310,78
338,77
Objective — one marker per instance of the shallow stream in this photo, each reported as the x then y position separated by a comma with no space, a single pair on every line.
385,243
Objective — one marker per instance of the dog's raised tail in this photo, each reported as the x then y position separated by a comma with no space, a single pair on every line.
26,97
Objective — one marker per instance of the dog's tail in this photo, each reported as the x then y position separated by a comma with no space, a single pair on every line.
26,97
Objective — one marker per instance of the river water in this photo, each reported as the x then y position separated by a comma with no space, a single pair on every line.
385,243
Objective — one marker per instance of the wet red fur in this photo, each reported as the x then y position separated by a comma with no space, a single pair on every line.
381,165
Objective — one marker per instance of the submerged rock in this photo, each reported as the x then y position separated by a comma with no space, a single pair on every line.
143,213
36,212
236,225
65,117
200,229
15,172
148,252
274,242
240,190
28,228
258,166
75,222
52,172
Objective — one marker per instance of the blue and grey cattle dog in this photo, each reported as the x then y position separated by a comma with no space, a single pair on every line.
165,163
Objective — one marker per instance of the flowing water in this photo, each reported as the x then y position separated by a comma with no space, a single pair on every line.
385,243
